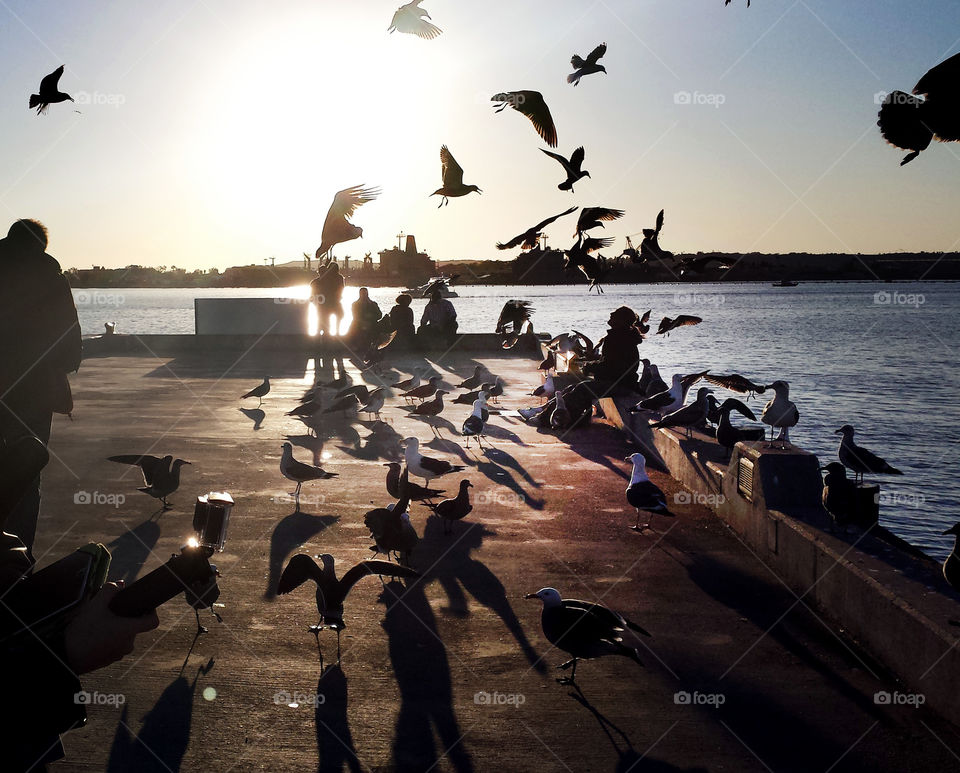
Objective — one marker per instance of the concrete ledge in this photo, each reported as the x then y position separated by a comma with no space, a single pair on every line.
885,595
174,345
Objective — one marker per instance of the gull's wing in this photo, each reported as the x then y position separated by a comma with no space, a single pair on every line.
941,81
659,223
597,53
50,82
149,465
590,244
451,171
345,203
365,568
549,220
299,569
533,107
560,159
576,160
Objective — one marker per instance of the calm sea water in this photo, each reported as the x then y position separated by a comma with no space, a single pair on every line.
882,357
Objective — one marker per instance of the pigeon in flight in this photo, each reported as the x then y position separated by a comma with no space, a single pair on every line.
409,18
587,66
49,92
336,227
531,104
452,174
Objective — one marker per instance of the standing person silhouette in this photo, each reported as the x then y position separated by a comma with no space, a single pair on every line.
326,291
39,345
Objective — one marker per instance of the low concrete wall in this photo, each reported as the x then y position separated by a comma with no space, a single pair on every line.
175,345
886,596
250,316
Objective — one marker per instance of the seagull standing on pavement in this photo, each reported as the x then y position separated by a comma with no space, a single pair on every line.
426,467
642,493
260,391
161,476
299,472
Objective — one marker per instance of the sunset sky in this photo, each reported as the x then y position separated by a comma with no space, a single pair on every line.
216,134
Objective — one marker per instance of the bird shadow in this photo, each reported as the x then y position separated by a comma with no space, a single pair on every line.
256,415
163,739
292,532
502,433
501,476
383,443
334,740
437,424
130,551
422,670
459,573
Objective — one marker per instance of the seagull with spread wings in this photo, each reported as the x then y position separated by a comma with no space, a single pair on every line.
572,166
336,228
529,238
49,92
409,18
452,174
650,246
587,66
530,104
592,217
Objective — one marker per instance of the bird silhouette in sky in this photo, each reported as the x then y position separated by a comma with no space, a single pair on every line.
409,18
336,227
587,66
49,92
573,167
529,238
452,174
530,104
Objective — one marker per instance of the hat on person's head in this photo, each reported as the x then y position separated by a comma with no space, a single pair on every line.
623,317
404,300
435,294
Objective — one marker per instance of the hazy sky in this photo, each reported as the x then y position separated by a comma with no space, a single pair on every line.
216,133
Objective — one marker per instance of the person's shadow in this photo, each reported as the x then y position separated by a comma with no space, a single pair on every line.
292,532
165,735
459,573
423,676
130,551
334,740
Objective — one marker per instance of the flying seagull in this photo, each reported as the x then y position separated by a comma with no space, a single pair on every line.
161,476
529,238
681,320
860,460
933,113
299,472
650,248
573,167
452,174
531,104
337,228
260,391
49,92
643,493
593,217
332,592
727,2
584,630
736,383
409,18
587,66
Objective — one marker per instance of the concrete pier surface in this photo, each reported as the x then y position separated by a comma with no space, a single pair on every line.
451,672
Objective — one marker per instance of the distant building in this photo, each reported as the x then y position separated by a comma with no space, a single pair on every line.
407,266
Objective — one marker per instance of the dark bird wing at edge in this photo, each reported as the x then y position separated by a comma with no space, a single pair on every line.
364,568
451,171
299,569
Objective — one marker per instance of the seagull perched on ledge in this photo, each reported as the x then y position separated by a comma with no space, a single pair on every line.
780,411
584,630
860,460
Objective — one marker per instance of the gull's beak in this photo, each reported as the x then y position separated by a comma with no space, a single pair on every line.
948,531
531,596
838,432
